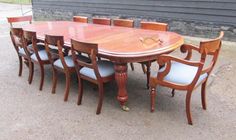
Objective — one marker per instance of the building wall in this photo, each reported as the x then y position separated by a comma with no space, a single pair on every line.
203,18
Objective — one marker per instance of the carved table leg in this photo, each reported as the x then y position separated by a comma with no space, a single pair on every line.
121,79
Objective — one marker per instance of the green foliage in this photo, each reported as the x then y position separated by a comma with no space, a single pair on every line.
17,1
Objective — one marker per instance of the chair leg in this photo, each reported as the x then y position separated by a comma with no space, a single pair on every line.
67,90
188,110
148,65
80,96
143,68
20,66
101,95
203,95
42,77
173,92
31,72
132,66
54,80
153,96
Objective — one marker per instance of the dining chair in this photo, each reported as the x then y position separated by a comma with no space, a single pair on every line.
80,19
12,20
102,21
125,23
38,56
97,71
60,60
21,49
186,74
157,26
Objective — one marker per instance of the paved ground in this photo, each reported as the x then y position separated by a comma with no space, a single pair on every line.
27,113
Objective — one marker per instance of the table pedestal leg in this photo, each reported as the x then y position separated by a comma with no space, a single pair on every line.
121,79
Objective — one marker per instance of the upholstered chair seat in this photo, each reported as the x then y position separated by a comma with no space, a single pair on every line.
181,74
69,61
42,54
105,68
30,48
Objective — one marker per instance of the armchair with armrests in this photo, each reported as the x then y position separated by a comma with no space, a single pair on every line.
185,74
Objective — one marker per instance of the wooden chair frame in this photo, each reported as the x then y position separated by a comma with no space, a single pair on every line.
58,43
30,36
210,47
18,42
92,51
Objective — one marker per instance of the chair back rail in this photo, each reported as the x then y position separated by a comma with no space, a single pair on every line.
158,26
102,21
54,47
211,47
80,19
30,36
123,23
88,48
18,41
19,19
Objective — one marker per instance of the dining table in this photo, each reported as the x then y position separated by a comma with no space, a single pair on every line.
121,45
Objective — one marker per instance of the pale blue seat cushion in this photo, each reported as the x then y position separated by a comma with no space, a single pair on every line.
30,48
42,54
181,74
39,46
69,61
105,68
21,51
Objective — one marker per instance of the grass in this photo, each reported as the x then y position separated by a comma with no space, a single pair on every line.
17,1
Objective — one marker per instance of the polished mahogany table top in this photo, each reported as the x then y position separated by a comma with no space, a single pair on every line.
115,43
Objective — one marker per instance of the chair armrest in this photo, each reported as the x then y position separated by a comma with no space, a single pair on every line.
188,48
165,60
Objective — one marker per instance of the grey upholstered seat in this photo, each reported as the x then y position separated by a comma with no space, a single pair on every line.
39,46
21,51
181,74
30,48
69,61
105,68
42,54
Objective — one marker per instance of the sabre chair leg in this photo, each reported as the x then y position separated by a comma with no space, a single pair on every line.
203,95
101,96
148,73
31,72
188,109
173,92
54,81
153,96
42,77
67,90
20,66
143,68
80,96
132,66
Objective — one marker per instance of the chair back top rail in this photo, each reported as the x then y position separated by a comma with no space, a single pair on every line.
80,19
88,48
158,26
123,23
102,21
19,19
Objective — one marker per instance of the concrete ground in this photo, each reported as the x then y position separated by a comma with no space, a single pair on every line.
27,113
